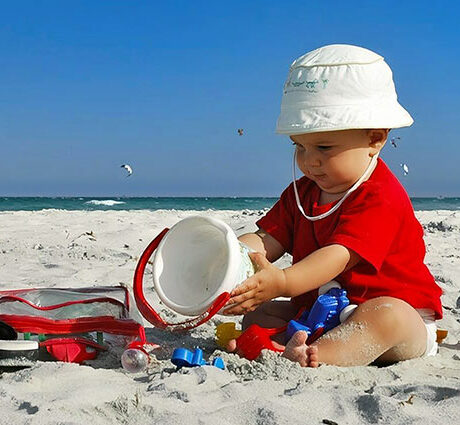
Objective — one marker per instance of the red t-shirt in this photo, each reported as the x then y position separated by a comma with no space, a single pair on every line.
377,222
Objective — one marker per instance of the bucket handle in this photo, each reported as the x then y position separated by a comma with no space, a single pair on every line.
149,312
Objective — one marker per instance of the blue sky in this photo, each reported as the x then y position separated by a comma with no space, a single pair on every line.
88,85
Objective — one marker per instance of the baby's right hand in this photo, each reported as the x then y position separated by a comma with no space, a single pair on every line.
267,283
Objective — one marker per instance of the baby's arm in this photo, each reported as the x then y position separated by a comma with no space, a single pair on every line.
264,243
318,268
310,273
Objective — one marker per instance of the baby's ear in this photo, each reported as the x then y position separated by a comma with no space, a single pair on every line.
377,138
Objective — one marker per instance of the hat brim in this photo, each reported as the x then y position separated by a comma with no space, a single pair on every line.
297,120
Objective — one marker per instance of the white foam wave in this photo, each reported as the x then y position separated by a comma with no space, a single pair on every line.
106,202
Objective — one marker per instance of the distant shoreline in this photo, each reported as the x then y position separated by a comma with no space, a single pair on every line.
175,197
117,203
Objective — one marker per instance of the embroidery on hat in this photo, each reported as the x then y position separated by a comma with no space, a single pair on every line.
311,86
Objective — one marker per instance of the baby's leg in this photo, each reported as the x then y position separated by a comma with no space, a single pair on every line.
272,314
383,329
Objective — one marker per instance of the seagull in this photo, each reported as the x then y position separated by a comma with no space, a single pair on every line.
128,169
405,169
240,132
393,141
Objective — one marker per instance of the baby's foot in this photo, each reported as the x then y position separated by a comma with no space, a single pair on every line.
298,351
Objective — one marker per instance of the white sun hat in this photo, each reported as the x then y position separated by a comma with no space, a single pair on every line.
340,87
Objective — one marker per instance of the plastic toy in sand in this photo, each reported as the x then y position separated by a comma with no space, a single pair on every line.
331,308
182,357
136,356
225,332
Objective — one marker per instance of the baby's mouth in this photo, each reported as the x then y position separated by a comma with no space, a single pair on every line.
318,176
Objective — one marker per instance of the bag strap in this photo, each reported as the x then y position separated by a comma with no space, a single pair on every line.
13,298
149,312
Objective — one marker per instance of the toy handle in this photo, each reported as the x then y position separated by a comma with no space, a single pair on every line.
149,312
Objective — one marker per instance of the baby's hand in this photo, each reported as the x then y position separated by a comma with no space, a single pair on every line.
267,283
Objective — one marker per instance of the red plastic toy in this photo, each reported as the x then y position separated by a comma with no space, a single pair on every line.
255,339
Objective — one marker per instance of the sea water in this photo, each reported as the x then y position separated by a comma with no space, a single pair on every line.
133,203
180,203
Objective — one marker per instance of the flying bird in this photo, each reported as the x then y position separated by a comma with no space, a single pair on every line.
240,132
405,169
127,168
393,141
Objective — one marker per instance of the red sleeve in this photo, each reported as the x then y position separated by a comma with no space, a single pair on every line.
279,220
368,225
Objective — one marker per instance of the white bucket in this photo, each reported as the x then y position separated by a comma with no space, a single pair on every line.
196,261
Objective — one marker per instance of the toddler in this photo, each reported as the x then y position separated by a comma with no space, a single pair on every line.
346,219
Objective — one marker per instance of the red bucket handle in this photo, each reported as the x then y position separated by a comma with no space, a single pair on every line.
149,312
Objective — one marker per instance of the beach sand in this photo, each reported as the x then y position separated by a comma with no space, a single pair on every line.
54,248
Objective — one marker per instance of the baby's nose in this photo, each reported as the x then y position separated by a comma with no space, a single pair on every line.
312,160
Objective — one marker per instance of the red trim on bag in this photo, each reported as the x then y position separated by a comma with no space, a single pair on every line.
13,298
84,290
42,325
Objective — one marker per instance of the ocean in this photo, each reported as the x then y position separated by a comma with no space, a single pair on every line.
182,203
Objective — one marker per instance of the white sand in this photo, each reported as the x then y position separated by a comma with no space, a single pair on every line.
52,249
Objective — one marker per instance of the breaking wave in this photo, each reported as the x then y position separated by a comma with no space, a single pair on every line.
106,202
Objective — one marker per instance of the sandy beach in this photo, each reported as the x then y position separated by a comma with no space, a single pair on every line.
54,248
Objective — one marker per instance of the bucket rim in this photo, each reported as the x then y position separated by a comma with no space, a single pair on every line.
229,279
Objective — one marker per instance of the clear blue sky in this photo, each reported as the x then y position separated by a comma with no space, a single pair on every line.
163,85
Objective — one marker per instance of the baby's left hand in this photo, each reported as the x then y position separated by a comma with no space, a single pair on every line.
267,283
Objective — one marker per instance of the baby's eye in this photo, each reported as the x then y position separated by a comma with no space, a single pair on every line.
324,148
297,145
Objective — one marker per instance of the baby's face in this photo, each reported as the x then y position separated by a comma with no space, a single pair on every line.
335,160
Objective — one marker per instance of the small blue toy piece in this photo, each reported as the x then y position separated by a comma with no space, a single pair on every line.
323,316
182,357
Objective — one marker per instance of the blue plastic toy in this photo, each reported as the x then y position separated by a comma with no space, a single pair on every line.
323,316
182,357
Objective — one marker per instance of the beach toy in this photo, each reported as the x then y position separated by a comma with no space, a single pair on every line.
255,339
182,357
226,332
324,315
196,265
330,309
135,358
197,260
72,350
441,335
